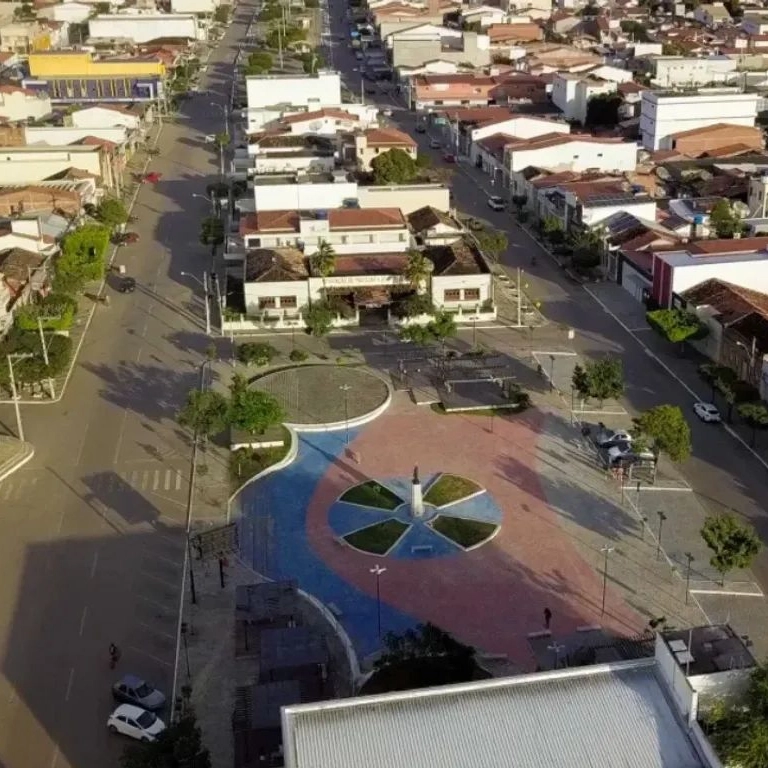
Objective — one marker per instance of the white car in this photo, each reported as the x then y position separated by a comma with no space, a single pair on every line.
135,722
707,412
496,203
609,438
209,138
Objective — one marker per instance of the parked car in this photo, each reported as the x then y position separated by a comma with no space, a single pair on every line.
126,285
386,112
421,128
497,203
138,723
618,451
359,55
610,437
434,144
131,689
707,412
449,157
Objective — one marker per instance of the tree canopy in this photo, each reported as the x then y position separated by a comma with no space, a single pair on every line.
603,110
323,260
395,166
440,328
211,231
417,269
755,414
82,257
205,412
112,212
666,426
258,63
492,242
601,379
723,219
676,325
179,746
250,409
733,544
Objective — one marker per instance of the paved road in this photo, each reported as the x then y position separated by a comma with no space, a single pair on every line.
724,474
91,531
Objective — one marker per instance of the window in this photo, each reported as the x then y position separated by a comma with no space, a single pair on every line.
267,302
599,154
452,295
471,294
288,302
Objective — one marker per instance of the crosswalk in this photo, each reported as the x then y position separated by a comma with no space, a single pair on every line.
167,481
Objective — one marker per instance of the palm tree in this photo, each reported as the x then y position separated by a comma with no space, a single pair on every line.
417,270
323,261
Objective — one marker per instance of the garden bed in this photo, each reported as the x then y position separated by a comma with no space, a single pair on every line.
378,538
449,488
246,463
466,533
372,494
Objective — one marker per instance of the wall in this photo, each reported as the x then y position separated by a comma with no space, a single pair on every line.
672,71
682,693
289,163
73,13
461,282
391,241
521,127
752,274
316,284
255,291
407,198
59,65
59,137
282,197
315,91
103,118
22,167
414,52
661,116
577,156
142,29
194,6
643,210
21,106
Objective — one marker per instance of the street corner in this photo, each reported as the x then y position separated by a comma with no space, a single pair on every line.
14,454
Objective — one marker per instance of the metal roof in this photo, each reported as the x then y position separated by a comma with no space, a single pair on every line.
608,715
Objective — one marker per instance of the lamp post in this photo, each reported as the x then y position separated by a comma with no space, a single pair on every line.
556,648
14,394
689,558
209,199
204,285
751,352
377,570
606,550
662,518
184,631
345,389
225,109
44,345
551,372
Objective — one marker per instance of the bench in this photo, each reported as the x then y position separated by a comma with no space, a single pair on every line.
421,549
335,610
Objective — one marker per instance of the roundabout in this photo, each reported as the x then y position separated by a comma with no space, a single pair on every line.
402,519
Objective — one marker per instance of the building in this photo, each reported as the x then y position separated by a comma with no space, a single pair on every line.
75,77
711,15
70,12
431,227
142,28
55,136
755,22
66,197
717,139
407,197
18,104
295,91
368,145
134,117
324,122
414,47
629,712
281,154
194,6
453,90
303,192
571,93
24,37
663,114
692,71
24,165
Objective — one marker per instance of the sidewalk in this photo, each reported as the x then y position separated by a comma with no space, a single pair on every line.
14,454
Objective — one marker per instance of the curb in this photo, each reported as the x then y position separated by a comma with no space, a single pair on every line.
10,467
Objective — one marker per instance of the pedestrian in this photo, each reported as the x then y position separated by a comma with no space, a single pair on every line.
547,617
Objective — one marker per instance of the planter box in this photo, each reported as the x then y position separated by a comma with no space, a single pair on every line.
272,438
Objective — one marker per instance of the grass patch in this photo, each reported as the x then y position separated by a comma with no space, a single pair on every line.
466,533
372,494
377,538
247,462
449,488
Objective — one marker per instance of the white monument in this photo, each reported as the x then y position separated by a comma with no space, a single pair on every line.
417,500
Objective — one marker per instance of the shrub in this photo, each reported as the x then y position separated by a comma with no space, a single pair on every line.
298,355
256,354
59,308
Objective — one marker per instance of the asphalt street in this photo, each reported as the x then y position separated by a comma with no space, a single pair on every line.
723,472
91,531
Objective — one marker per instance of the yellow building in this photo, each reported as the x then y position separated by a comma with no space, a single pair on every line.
62,64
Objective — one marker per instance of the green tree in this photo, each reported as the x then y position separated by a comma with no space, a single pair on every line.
733,544
222,140
492,242
312,61
552,230
637,31
254,353
604,378
250,409
81,258
221,14
580,382
179,746
587,248
666,426
259,63
603,110
755,414
212,231
318,318
439,329
723,219
271,12
58,309
205,412
418,269
394,166
112,212
24,12
676,325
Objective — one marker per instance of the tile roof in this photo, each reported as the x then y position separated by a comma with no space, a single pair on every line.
502,32
495,144
731,302
547,140
366,218
717,247
459,258
370,264
631,87
709,130
428,217
275,265
269,221
388,137
95,141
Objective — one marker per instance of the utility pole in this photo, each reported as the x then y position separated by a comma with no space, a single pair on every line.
44,345
14,393
519,298
206,298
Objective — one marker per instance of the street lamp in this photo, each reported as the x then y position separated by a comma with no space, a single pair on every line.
14,394
345,389
204,285
209,199
662,518
556,648
377,570
690,558
606,550
551,372
184,631
225,109
44,345
751,352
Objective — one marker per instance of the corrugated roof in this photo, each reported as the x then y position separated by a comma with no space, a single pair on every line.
612,715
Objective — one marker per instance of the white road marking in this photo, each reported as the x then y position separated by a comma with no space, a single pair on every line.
55,757
69,683
120,434
156,480
94,563
61,523
167,485
82,620
154,603
156,631
178,479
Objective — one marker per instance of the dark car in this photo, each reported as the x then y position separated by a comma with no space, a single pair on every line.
421,128
126,285
449,157
133,690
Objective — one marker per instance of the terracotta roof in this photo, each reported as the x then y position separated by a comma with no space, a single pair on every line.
275,265
459,258
740,246
476,114
370,264
5,88
547,140
302,117
501,32
95,141
366,218
709,130
428,217
495,144
553,179
649,238
388,137
631,87
16,263
269,221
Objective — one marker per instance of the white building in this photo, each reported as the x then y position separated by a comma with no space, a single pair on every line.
105,117
312,91
407,197
571,93
663,113
23,165
17,104
310,192
53,136
71,13
194,6
572,152
690,71
484,14
516,126
141,28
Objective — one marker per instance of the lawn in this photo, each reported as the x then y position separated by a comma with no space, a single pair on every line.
466,533
449,488
372,494
378,538
247,462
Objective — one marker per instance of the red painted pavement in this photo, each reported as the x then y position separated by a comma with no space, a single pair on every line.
494,596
